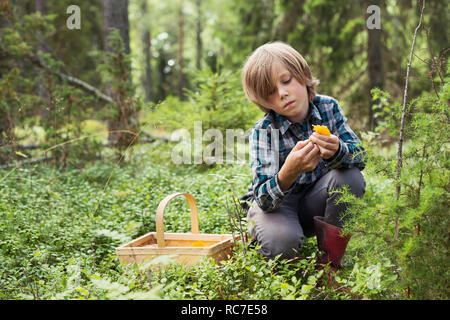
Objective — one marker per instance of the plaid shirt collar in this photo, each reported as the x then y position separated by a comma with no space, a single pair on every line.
283,123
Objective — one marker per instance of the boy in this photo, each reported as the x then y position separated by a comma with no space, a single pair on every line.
293,168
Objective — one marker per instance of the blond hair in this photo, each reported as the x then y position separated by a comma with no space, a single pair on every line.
258,77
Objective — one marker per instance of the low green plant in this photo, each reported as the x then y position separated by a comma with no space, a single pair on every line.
247,275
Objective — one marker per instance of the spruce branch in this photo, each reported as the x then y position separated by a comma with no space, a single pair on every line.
402,123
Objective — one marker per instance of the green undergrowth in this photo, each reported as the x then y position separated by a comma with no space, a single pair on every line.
60,227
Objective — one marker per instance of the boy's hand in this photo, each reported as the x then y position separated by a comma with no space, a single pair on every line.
303,157
328,145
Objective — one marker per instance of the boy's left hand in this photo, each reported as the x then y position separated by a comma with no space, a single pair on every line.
328,145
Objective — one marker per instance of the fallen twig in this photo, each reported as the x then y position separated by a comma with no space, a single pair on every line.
158,137
21,162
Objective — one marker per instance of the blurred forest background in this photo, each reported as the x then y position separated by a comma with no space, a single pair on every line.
172,51
73,102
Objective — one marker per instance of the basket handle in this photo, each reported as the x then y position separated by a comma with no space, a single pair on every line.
160,216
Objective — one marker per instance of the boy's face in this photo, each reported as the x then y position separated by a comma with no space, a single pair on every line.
289,98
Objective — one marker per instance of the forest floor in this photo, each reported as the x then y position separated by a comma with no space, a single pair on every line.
60,227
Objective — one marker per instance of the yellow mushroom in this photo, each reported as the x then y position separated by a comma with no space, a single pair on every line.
321,130
198,244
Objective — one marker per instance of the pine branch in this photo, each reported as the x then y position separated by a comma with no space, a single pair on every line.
37,60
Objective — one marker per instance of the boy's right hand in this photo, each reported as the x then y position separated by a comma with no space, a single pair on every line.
304,157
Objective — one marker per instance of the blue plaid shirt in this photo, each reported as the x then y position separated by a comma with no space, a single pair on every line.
274,136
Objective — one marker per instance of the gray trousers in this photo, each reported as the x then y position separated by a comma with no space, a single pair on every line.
283,230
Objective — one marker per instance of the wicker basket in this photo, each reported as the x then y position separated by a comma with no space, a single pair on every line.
189,248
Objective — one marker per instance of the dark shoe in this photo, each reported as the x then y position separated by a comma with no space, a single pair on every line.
331,241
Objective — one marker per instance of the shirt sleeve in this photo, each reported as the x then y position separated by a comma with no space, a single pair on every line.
264,155
351,152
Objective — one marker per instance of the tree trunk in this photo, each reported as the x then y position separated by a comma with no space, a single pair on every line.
147,54
3,59
199,34
6,124
375,67
115,16
180,50
162,90
289,22
40,6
